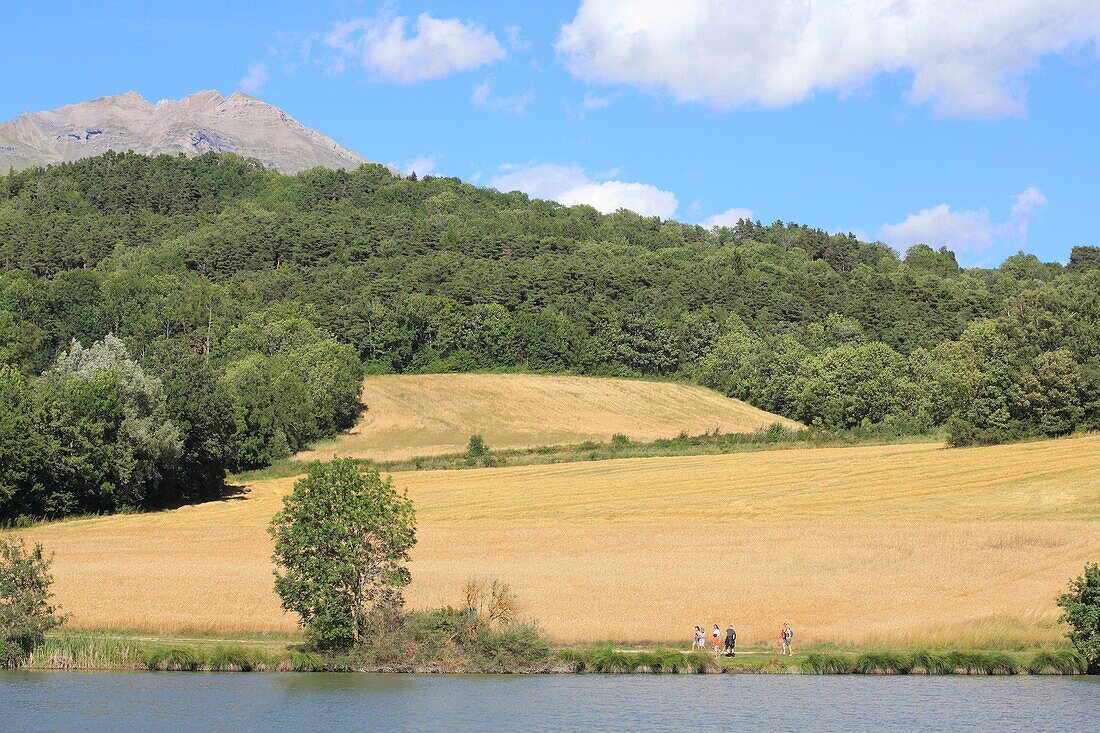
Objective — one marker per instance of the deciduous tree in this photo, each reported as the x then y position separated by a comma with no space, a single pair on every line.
342,540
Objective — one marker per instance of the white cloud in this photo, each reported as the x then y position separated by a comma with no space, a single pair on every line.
968,233
965,232
592,101
540,181
727,218
965,58
1025,205
571,185
609,196
483,97
421,166
516,41
437,48
255,78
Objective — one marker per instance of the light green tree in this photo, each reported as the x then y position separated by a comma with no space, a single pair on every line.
342,540
148,442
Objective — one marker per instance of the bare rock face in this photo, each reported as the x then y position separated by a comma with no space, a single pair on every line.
197,124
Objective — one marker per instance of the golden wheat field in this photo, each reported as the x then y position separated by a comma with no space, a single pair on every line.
904,543
434,414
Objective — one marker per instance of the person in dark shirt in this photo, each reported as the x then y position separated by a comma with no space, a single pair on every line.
731,640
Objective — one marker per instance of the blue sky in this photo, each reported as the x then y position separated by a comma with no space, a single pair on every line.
979,129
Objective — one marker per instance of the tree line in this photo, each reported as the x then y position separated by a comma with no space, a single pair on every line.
253,302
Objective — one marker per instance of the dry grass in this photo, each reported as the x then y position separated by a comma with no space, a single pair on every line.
840,581
896,543
1057,479
435,414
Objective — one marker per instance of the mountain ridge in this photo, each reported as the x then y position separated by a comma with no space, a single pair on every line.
205,121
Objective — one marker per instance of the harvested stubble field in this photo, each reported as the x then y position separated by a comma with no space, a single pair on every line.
435,414
903,544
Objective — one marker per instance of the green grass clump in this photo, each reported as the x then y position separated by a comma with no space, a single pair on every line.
982,662
237,659
647,662
306,662
170,659
695,663
930,662
222,658
573,659
883,663
1059,662
608,661
821,663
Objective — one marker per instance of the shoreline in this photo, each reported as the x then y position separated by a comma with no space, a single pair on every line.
93,652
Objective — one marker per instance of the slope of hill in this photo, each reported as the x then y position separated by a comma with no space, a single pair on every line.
284,288
433,414
902,544
200,123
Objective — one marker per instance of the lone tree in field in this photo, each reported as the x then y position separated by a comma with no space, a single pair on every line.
25,611
342,540
477,452
1082,613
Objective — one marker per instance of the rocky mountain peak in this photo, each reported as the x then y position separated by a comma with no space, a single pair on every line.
193,125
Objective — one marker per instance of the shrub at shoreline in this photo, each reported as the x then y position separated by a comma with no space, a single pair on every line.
25,610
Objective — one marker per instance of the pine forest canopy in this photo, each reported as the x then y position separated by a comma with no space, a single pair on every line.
260,299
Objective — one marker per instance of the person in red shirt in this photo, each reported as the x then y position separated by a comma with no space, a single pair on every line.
785,636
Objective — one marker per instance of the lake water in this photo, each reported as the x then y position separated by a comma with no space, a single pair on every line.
76,701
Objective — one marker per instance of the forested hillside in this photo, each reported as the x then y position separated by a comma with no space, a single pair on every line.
246,305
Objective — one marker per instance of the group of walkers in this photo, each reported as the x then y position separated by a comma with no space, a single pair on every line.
728,640
700,641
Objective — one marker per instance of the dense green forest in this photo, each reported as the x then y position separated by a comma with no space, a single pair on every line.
163,320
